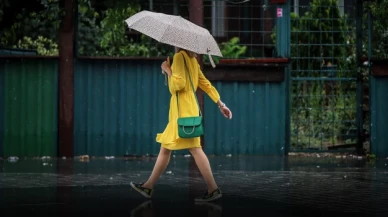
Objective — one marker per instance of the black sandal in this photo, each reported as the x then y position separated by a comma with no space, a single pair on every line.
146,192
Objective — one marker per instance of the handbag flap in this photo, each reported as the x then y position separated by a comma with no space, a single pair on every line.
190,121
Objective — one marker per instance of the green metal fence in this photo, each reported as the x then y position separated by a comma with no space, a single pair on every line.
379,117
119,107
259,126
29,104
376,69
323,76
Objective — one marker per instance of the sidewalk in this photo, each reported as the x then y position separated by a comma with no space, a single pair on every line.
252,186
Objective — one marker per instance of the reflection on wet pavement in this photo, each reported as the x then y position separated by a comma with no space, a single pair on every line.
146,209
252,186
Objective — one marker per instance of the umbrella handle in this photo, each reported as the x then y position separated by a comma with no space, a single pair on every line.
210,58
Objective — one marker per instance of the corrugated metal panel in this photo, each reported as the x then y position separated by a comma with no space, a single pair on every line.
120,106
379,116
2,71
258,123
30,99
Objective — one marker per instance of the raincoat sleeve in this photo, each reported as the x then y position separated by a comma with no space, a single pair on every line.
178,77
207,87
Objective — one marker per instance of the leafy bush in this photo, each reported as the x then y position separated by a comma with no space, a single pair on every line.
44,46
88,31
109,37
35,30
34,24
113,40
379,12
323,113
229,49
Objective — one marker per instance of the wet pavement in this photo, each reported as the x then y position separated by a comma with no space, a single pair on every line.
252,186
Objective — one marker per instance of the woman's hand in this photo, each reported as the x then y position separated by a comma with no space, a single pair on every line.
166,68
225,110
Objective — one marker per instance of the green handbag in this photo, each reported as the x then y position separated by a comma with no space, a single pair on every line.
190,127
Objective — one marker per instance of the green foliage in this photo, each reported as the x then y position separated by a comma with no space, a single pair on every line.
113,29
44,46
88,30
326,33
319,121
105,33
35,29
371,157
114,41
379,12
323,113
229,49
156,49
36,24
107,37
101,33
322,35
232,49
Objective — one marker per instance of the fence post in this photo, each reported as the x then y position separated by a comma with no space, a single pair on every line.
283,49
359,106
66,81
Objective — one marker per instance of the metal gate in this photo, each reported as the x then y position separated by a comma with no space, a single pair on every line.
323,75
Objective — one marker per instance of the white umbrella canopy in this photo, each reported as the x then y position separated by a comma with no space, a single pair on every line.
175,31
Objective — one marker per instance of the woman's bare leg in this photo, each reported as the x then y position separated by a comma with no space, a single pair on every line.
160,165
204,167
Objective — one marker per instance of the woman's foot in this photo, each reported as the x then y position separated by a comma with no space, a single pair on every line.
146,192
214,195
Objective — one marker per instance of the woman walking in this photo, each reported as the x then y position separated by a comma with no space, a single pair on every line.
184,106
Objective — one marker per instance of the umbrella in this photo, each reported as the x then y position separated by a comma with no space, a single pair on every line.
175,31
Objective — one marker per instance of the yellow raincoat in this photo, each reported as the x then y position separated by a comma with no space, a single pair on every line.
180,81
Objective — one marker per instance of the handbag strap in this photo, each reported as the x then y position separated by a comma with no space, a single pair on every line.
192,87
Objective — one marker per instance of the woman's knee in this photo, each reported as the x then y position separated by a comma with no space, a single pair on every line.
165,151
195,151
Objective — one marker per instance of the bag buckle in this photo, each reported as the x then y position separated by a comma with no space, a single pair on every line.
183,128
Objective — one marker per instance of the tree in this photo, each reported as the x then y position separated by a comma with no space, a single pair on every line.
35,30
88,31
379,12
323,36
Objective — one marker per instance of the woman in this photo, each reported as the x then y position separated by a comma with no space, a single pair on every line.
179,81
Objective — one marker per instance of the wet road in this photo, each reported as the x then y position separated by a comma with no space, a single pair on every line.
252,186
